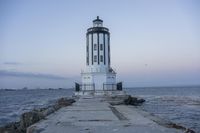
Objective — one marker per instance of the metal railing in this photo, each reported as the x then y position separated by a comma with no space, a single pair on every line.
109,87
91,87
88,87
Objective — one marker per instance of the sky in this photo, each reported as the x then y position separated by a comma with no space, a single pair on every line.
153,43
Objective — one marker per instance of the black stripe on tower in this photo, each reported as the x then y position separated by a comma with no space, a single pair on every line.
108,49
104,49
98,45
92,47
87,50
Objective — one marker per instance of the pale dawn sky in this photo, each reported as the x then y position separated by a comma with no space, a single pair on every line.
153,43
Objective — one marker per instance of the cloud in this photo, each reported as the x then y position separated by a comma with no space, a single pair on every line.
12,63
30,75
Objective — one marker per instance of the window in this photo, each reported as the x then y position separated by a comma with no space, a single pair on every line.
95,46
101,46
101,58
95,58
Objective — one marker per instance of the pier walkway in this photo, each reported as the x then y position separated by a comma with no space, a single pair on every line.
94,114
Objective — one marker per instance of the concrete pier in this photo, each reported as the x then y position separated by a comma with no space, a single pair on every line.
95,114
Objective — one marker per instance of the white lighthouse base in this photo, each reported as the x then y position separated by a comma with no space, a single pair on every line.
98,81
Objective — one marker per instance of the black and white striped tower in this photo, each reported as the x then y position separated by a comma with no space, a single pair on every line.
98,45
98,74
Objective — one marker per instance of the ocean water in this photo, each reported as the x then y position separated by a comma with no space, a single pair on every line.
14,103
180,105
177,104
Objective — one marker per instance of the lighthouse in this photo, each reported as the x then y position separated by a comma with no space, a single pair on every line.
98,75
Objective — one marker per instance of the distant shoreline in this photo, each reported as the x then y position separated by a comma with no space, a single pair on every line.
60,88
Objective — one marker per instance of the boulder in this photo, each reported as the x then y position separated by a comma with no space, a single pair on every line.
65,102
133,101
10,128
30,118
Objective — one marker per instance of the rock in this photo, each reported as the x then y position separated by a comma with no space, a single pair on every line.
31,129
189,131
29,118
10,128
133,101
65,102
125,99
48,111
117,100
141,100
174,125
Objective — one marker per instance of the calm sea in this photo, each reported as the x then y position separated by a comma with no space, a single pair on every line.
14,103
177,104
